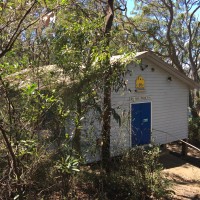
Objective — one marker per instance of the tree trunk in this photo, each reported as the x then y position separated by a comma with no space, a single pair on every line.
76,143
107,89
106,125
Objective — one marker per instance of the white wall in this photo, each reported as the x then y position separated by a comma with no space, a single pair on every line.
91,132
169,106
169,101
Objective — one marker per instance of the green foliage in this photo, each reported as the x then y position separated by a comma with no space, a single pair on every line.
27,147
136,175
169,28
37,160
33,122
145,172
43,108
67,165
194,130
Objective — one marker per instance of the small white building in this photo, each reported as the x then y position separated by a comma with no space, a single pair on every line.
153,106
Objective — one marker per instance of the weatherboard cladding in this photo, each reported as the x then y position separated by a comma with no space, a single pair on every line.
169,102
167,68
169,105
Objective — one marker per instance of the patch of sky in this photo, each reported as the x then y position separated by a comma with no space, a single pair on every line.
130,6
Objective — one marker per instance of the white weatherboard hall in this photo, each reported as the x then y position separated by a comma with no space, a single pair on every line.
153,105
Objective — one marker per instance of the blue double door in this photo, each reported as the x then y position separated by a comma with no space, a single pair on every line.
141,123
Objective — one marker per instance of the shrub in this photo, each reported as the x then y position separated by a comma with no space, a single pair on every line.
143,168
136,175
194,130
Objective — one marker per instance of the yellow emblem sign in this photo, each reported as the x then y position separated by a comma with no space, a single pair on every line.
139,83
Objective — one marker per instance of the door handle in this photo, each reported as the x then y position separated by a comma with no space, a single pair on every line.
145,120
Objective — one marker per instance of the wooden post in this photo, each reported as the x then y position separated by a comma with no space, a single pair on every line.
184,148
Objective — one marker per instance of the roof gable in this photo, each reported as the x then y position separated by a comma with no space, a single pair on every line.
166,67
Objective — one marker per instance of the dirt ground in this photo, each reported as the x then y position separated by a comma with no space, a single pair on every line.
183,171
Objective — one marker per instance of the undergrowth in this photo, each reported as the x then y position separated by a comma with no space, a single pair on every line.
136,175
194,131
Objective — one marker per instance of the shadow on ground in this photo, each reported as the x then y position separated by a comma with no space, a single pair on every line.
182,171
172,157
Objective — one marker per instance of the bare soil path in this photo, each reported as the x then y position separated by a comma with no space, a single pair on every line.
184,172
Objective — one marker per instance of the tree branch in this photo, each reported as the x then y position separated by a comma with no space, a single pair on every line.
17,31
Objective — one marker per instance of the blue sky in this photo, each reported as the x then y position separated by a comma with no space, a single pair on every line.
130,5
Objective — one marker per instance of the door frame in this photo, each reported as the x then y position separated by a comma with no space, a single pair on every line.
131,120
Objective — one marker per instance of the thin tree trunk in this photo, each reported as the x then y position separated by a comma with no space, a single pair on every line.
107,90
77,137
106,125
